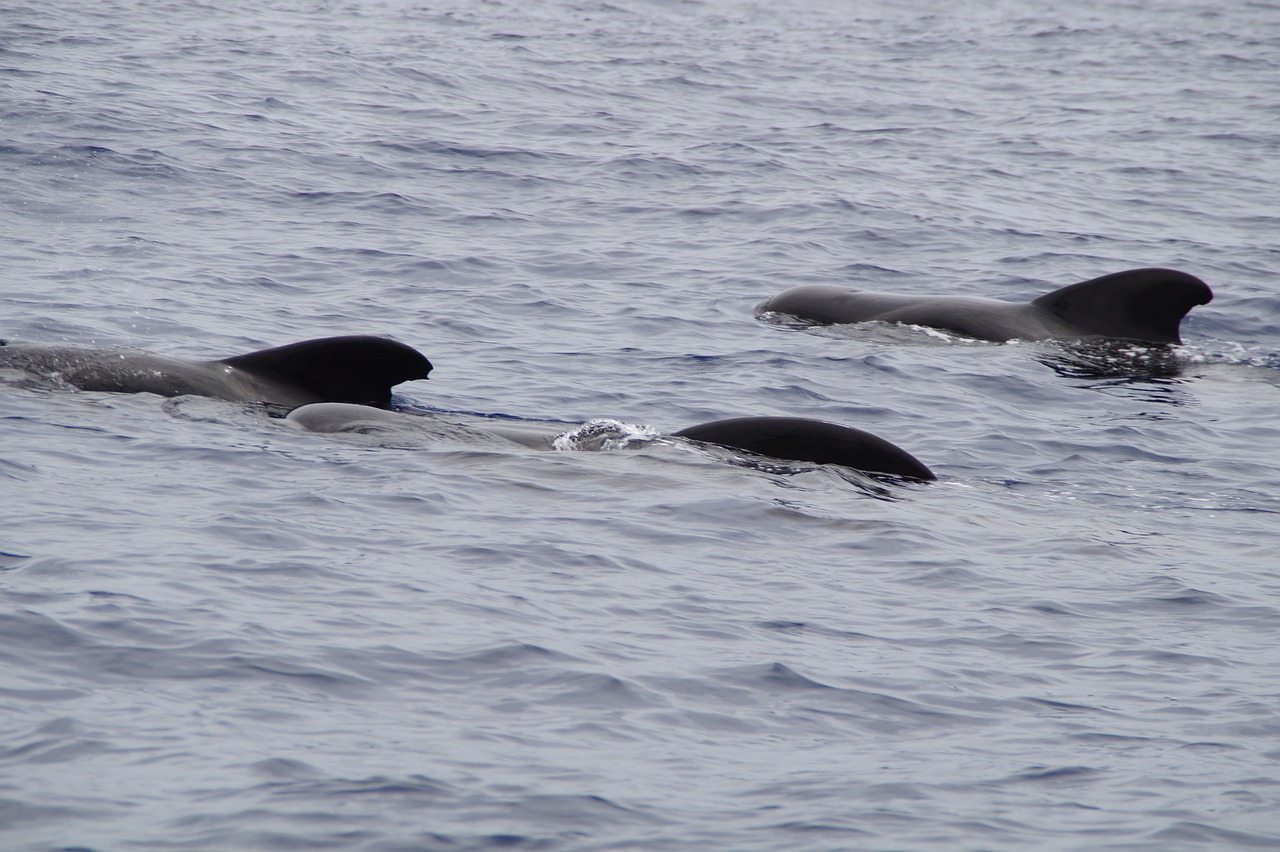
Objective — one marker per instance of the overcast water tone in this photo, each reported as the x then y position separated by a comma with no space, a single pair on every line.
219,631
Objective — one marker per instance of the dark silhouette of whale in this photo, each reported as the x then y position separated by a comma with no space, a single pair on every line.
1145,305
816,441
355,369
783,438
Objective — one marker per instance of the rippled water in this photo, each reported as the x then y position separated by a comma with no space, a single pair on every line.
219,631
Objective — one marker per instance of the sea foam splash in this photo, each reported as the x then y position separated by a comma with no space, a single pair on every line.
604,434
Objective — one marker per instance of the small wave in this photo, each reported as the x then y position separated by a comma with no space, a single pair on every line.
1234,354
1071,774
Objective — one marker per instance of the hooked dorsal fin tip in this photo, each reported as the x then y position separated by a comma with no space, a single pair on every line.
1138,304
352,368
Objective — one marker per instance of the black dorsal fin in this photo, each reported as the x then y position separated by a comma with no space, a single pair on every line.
1141,304
356,369
814,441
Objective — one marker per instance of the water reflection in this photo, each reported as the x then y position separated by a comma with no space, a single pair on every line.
1144,373
870,484
1115,360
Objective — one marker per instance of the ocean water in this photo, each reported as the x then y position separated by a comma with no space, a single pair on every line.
220,632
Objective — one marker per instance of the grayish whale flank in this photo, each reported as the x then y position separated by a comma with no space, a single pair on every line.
333,417
783,438
1145,305
356,369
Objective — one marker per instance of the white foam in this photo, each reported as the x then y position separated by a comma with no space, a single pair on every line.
603,434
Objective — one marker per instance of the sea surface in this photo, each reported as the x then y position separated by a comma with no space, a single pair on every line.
219,632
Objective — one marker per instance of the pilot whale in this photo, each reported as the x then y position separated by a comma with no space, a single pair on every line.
817,441
1144,305
782,438
355,369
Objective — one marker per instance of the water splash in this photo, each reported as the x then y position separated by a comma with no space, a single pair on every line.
604,434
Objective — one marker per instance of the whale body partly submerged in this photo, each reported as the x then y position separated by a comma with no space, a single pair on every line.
784,438
1145,305
356,369
817,441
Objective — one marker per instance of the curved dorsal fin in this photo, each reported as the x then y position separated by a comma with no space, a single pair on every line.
357,368
816,441
1141,304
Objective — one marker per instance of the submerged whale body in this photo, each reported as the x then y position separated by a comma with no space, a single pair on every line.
799,439
358,369
1145,305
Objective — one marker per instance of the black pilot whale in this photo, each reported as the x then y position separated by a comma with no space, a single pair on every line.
783,438
816,441
357,368
1144,305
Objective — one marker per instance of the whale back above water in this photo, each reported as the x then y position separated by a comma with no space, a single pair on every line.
800,439
357,368
1144,305
784,438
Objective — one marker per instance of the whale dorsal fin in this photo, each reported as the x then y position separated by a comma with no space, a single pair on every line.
816,441
337,369
1141,304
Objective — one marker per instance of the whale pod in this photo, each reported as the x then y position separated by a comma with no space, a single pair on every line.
1145,305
